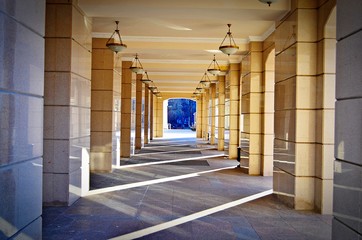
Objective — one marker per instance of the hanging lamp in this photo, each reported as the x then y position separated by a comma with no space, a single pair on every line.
137,66
116,45
145,79
228,47
214,67
268,1
205,81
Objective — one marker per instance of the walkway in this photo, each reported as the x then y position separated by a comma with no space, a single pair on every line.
179,188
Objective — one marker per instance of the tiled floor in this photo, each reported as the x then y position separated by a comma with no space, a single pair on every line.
186,194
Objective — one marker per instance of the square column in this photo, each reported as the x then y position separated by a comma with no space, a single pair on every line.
67,109
253,110
295,106
147,115
234,80
158,113
205,115
105,107
126,111
198,117
139,142
151,115
213,112
267,105
221,113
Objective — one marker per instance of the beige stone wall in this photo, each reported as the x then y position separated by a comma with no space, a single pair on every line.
67,103
347,198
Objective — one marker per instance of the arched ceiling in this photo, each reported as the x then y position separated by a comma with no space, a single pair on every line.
176,40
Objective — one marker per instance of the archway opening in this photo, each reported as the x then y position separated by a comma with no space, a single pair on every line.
180,118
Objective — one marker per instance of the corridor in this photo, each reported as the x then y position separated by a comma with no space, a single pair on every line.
180,187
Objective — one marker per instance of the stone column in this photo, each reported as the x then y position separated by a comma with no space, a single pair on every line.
221,114
139,100
67,87
252,100
147,115
199,117
151,116
295,106
267,118
105,107
205,115
158,101
212,107
126,96
234,109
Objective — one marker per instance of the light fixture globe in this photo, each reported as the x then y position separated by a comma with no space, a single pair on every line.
229,47
116,45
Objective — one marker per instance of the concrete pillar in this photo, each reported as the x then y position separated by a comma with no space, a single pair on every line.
205,115
252,100
198,117
151,116
22,110
126,114
105,107
139,123
267,113
295,106
67,103
234,78
147,115
348,141
213,112
158,123
325,105
221,114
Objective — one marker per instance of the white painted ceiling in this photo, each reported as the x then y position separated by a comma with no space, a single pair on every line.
173,38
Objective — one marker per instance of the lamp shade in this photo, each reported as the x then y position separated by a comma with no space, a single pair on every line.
213,71
116,47
229,49
138,70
